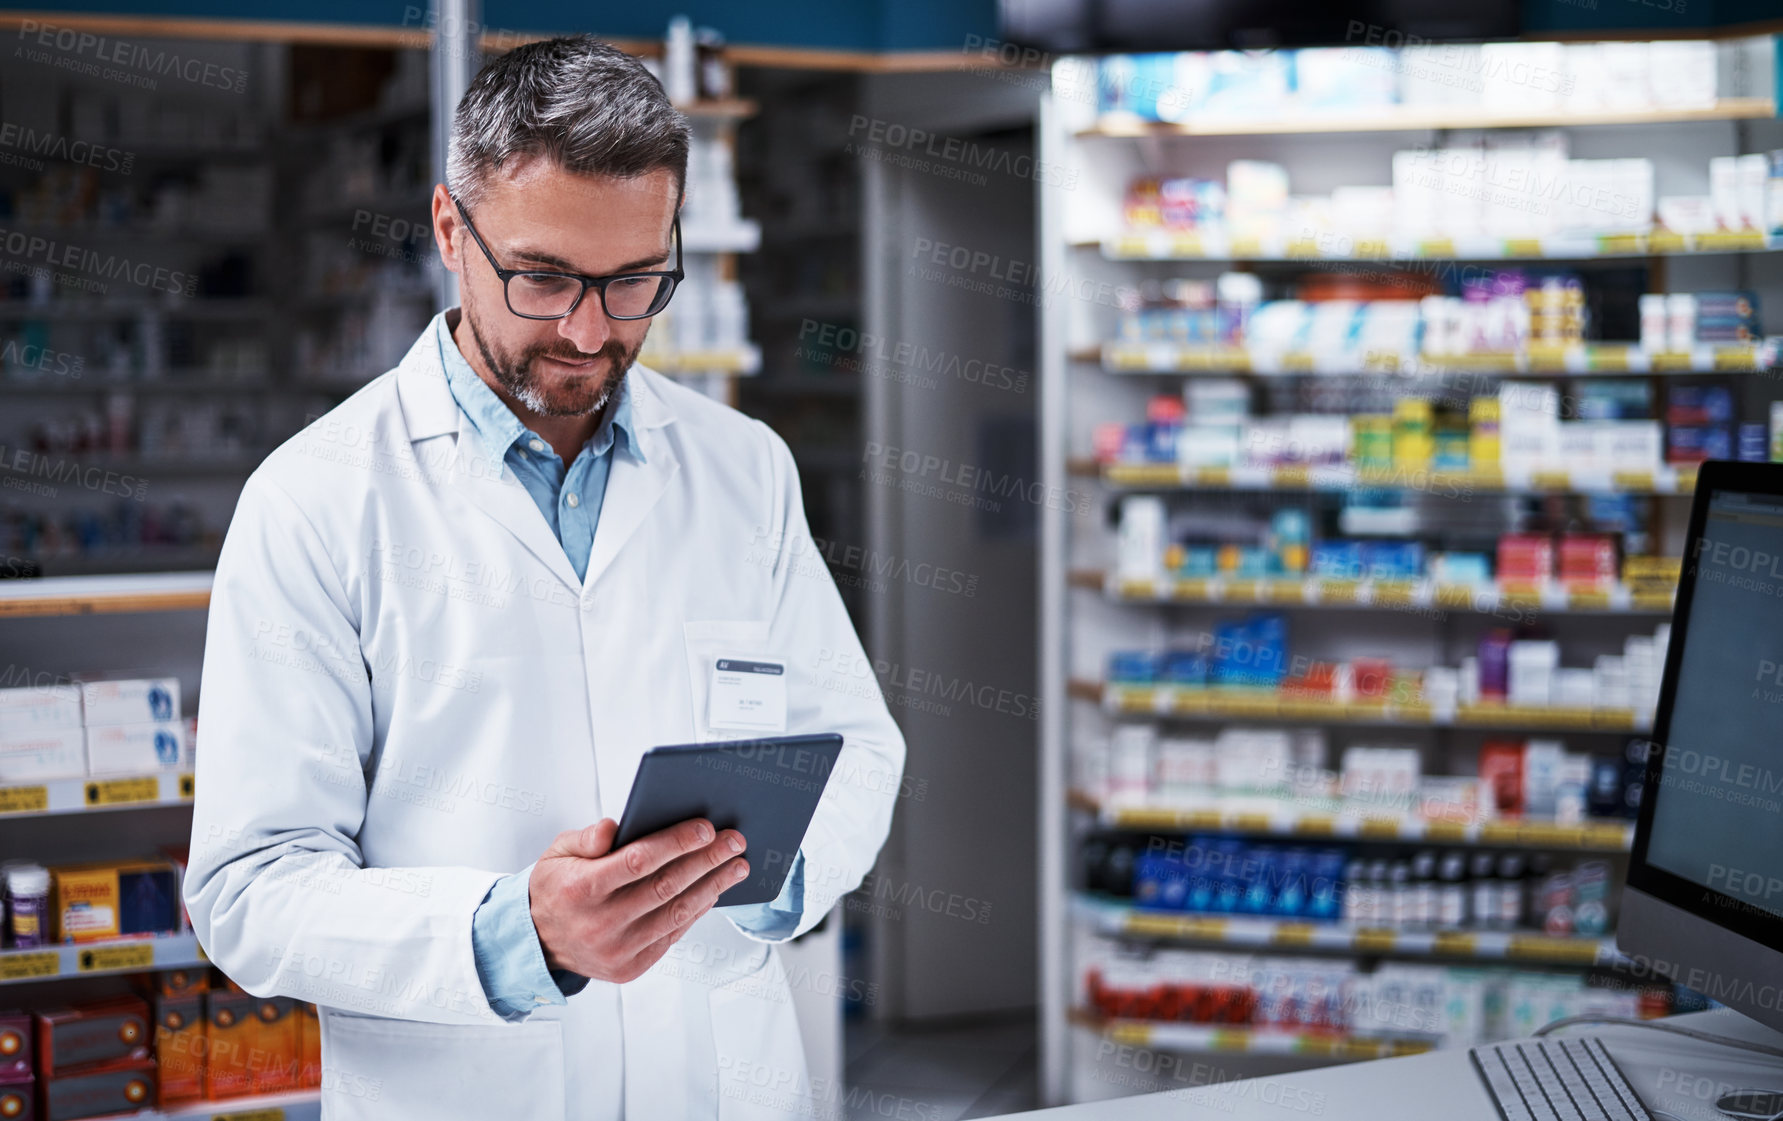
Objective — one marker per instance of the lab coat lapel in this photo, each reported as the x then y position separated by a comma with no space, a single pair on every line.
633,488
495,489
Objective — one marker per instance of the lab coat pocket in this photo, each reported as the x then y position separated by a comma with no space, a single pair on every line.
708,641
382,1068
760,1054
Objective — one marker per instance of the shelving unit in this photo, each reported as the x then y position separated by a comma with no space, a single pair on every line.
1093,374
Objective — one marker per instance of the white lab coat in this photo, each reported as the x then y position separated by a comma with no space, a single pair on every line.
407,692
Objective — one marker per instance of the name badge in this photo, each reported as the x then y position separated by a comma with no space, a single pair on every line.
748,696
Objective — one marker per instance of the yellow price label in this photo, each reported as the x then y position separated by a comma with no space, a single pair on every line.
1286,591
1302,247
1607,359
1730,239
1602,835
1437,247
1244,589
1547,833
1455,943
1243,247
1378,826
1454,595
1227,1039
1293,934
270,1113
1214,476
123,791
30,964
1131,699
1339,591
1620,243
110,959
1396,593
1300,361
1522,247
1449,831
1736,358
1316,825
1137,589
1588,599
1187,245
1549,480
1639,482
1372,247
1671,361
1293,476
188,786
1201,819
1129,245
1373,940
1651,601
24,799
1540,948
1251,823
1500,832
1664,241
1194,590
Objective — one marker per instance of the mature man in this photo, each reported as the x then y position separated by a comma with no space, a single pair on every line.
451,615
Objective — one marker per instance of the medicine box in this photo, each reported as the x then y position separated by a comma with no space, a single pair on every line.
98,1093
36,707
229,1034
85,1036
18,1097
135,749
93,902
180,1047
43,754
275,1045
131,701
15,1045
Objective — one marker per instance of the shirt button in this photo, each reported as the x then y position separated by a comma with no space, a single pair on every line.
541,1000
572,500
537,445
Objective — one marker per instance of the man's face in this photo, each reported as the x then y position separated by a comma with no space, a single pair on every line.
539,216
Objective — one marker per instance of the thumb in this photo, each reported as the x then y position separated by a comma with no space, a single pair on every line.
587,843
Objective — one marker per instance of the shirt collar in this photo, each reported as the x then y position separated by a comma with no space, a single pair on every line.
496,425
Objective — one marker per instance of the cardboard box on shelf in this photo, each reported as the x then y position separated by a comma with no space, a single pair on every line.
130,701
36,707
99,1093
42,754
85,1036
113,899
15,1045
180,1047
135,749
229,1030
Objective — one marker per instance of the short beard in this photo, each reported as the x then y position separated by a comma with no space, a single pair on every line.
516,375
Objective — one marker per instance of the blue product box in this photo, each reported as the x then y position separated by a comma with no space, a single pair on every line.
1161,882
1200,560
1337,560
1135,443
1160,441
1253,562
1183,667
1393,560
1261,874
1133,666
1292,884
1325,895
1268,634
1198,856
1754,443
1225,861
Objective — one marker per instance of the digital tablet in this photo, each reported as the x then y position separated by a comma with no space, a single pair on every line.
766,789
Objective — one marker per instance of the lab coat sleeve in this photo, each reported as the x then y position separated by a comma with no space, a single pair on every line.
275,885
827,692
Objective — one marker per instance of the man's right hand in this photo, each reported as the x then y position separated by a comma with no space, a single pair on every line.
610,915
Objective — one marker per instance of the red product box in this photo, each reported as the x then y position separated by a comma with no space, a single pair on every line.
18,1097
15,1046
86,1036
1587,559
1525,558
180,1047
1372,676
1501,769
123,1088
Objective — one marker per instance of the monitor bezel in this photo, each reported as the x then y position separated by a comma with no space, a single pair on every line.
1717,908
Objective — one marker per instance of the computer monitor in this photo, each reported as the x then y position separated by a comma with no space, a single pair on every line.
1704,899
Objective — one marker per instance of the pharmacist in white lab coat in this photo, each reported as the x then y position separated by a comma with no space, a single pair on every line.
450,616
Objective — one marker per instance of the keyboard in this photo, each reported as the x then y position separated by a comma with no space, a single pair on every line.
1557,1079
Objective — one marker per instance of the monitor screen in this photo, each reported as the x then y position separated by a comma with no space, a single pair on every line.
1717,814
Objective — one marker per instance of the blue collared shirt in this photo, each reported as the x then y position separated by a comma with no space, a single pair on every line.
510,961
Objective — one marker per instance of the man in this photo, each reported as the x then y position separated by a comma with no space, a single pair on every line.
449,618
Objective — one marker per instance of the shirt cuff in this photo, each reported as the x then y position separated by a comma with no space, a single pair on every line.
775,920
510,961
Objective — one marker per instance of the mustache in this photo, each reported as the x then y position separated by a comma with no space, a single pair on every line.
572,355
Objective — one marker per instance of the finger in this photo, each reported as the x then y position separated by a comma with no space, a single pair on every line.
662,886
686,908
648,854
589,843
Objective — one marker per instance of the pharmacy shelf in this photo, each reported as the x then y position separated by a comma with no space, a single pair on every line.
720,109
741,236
1576,360
105,595
1404,118
215,309
1166,1036
1347,477
1412,595
138,468
1161,245
128,559
746,360
1217,702
257,383
119,955
94,795
1121,920
296,1105
1271,817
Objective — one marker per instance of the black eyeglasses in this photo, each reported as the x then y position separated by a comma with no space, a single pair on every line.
535,294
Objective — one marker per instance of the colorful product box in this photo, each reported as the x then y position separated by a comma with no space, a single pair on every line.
1587,560
18,1097
275,1045
180,982
229,1032
1501,769
180,1048
102,1033
133,701
15,1046
114,899
41,754
97,1093
1525,558
134,749
36,707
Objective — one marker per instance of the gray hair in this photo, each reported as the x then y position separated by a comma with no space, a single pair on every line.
585,105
